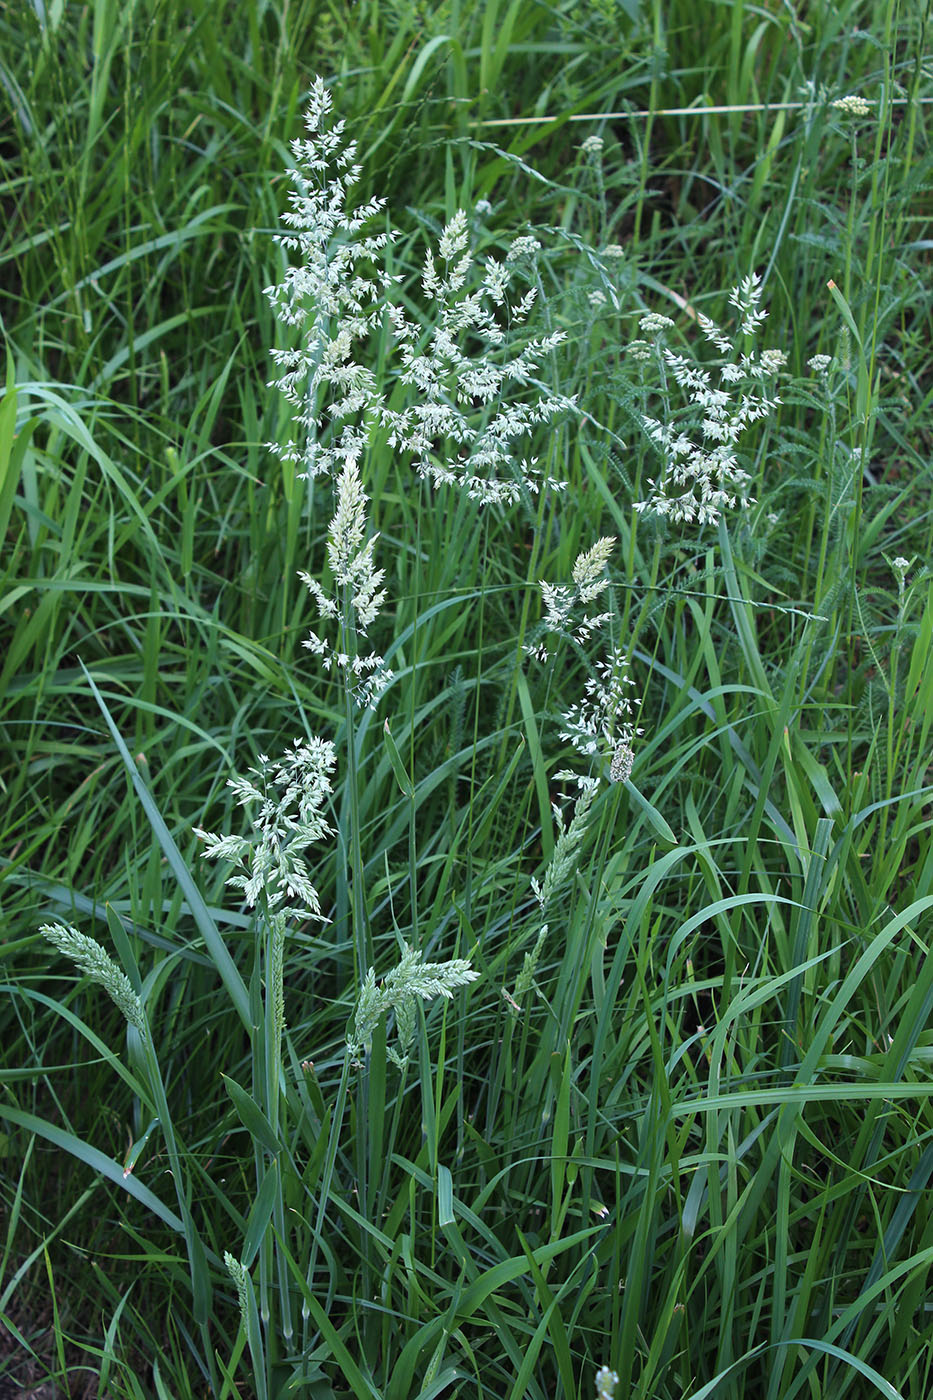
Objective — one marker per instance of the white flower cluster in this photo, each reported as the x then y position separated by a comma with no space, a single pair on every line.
560,601
525,246
852,106
606,1382
350,554
604,722
701,479
335,294
340,292
653,322
461,428
412,979
291,791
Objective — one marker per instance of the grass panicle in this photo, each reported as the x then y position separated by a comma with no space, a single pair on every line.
553,1012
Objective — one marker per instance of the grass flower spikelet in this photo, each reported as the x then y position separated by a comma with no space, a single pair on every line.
412,979
240,1277
458,427
350,555
96,963
562,604
701,475
290,793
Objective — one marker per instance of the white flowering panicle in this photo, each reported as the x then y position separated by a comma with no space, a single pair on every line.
701,475
96,963
603,724
411,980
564,860
358,595
335,295
563,604
464,418
290,792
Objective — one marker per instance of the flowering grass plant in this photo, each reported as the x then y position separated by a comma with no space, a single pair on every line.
481,946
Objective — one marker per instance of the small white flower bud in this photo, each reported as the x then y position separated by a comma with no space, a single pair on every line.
852,106
606,1382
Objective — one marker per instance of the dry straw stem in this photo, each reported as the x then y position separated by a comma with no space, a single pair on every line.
719,109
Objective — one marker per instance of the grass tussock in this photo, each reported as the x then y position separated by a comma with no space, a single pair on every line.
494,531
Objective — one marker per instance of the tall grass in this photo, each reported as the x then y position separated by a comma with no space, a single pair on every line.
685,1132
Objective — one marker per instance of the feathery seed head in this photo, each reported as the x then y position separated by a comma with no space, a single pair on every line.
290,793
97,964
412,979
702,478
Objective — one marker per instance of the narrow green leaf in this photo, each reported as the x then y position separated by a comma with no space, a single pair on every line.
251,1116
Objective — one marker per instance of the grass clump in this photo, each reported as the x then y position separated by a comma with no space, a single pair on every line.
552,1011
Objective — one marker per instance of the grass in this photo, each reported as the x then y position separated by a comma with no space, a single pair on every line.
699,1151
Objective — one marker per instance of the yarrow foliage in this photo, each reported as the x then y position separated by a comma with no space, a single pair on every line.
701,475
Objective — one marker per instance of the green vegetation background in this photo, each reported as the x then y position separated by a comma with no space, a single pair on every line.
702,1153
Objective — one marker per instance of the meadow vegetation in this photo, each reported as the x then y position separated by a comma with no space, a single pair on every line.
466,699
